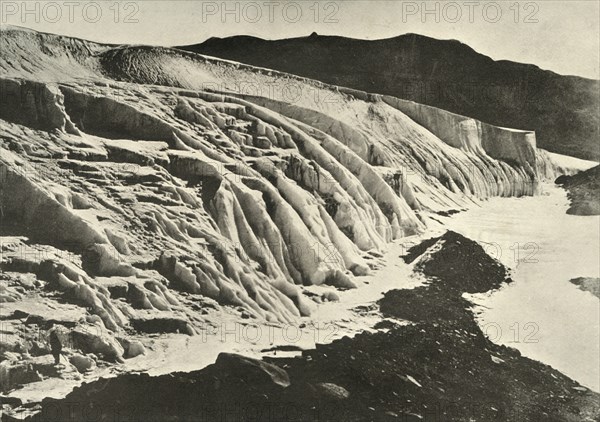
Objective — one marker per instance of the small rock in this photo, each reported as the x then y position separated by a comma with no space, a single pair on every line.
132,348
330,391
330,296
497,360
94,339
82,363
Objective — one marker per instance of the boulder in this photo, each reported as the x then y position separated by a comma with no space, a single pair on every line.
94,339
330,391
82,363
135,348
132,348
251,371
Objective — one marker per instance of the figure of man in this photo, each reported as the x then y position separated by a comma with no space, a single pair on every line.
55,344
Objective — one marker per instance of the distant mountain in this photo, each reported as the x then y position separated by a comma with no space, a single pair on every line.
563,110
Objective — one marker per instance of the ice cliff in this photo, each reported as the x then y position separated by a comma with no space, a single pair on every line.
447,74
147,178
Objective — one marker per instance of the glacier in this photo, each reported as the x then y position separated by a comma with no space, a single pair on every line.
148,178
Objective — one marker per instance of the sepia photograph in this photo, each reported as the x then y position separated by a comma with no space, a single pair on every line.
299,211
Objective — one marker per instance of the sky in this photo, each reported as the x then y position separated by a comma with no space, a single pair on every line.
563,36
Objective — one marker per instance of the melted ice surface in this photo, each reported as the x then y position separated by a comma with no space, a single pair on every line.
541,314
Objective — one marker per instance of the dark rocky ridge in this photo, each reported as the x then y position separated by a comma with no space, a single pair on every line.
584,191
588,284
562,110
440,367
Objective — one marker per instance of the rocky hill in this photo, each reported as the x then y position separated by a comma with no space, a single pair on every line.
562,110
584,191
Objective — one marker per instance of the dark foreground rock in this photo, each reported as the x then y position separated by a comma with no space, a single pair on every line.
583,191
441,367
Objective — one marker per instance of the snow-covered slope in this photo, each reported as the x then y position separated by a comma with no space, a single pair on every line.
163,175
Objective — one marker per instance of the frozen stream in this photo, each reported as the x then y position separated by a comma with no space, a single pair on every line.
541,314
